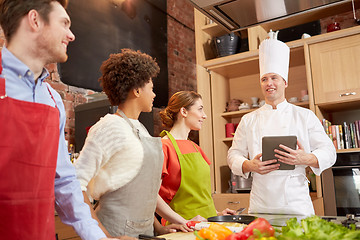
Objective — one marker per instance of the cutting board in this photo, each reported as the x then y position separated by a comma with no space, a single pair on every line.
179,236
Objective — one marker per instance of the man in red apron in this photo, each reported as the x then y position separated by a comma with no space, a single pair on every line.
33,152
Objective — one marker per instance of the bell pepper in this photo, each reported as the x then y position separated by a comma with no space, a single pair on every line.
215,231
206,234
220,230
262,226
234,236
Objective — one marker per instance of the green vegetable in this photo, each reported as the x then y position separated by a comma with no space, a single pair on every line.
316,228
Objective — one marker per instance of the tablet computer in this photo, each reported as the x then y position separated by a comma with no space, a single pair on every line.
270,143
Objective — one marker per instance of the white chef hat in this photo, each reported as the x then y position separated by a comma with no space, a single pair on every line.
274,56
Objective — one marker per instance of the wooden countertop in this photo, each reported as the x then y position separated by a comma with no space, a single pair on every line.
179,236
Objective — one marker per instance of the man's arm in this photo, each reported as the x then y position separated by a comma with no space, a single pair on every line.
322,153
69,201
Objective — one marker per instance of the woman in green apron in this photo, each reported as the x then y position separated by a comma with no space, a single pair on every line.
186,184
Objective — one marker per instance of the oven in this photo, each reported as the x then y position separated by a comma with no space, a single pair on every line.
341,186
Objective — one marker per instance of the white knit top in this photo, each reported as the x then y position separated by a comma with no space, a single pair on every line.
111,157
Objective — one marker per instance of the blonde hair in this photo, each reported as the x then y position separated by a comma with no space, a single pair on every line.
180,99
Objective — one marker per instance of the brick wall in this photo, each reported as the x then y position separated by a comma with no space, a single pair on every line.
181,60
181,52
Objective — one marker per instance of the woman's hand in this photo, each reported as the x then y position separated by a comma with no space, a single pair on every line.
226,211
199,218
173,228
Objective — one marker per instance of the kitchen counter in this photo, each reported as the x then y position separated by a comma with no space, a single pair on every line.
179,236
274,219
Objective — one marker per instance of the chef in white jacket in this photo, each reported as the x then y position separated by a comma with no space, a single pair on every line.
279,191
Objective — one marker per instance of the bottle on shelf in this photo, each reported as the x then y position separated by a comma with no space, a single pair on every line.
72,152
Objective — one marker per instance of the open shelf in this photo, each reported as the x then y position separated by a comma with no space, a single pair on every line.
350,150
240,113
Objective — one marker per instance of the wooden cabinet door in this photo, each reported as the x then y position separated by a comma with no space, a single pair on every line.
335,68
232,201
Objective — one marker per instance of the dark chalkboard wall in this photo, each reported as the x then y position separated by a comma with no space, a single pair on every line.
102,27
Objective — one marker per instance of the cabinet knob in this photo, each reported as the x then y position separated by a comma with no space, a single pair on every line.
347,94
234,202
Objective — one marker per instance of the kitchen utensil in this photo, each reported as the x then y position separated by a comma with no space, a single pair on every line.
246,219
293,100
357,20
254,101
143,236
227,44
240,184
240,210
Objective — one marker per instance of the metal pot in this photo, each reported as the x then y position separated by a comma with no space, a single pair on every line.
239,184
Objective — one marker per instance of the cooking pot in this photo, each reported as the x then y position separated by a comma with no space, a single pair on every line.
246,219
239,184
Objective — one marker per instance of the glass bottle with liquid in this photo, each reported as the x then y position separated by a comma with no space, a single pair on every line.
72,152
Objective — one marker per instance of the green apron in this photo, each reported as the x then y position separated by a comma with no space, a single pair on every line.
194,194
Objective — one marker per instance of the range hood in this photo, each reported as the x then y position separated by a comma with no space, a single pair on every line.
237,15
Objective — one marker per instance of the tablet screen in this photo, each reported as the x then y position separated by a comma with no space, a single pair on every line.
270,143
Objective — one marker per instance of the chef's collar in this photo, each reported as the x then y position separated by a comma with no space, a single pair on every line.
280,106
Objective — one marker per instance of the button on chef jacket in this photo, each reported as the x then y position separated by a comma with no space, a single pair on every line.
280,191
69,203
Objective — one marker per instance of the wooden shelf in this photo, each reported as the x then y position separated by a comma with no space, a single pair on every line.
214,30
339,106
235,114
350,150
240,113
228,139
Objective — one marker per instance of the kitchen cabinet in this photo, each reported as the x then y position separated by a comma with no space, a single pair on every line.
237,76
335,70
231,201
236,201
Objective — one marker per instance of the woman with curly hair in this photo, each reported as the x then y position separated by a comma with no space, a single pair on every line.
120,163
186,184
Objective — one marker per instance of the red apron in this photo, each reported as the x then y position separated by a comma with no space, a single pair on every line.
29,138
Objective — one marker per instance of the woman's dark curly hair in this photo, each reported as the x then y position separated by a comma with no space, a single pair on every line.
125,71
180,99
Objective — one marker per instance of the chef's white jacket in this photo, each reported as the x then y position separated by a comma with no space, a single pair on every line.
280,191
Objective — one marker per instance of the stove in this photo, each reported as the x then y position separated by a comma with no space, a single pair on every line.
345,221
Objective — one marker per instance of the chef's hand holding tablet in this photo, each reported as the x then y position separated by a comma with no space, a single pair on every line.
296,157
261,167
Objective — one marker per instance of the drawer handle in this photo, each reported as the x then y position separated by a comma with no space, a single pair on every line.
233,202
347,94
